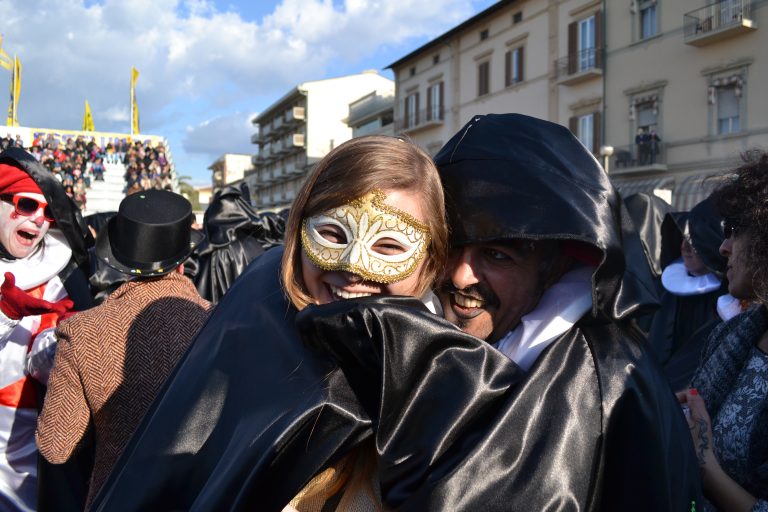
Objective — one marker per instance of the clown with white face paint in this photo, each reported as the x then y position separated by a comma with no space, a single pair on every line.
32,300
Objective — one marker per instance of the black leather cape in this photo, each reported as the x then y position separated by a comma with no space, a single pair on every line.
681,326
234,235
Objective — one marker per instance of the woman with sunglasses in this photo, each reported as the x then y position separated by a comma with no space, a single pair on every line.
41,246
728,400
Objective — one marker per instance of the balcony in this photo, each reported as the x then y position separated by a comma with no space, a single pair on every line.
580,67
294,115
638,158
369,106
424,118
718,21
257,138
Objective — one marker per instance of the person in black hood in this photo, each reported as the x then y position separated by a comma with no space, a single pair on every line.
693,281
235,234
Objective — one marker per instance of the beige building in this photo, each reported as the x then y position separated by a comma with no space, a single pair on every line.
229,168
684,91
542,58
663,86
374,113
298,130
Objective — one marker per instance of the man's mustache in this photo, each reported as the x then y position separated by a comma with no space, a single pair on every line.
475,291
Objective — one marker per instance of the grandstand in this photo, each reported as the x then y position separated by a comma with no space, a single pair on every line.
101,194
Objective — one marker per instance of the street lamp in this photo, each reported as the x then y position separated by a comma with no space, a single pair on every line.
606,152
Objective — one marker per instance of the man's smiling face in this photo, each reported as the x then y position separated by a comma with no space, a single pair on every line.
489,287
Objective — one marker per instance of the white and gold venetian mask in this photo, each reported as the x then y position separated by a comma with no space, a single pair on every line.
364,222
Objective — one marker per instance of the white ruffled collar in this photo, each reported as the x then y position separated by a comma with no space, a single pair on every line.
728,307
40,266
561,306
677,281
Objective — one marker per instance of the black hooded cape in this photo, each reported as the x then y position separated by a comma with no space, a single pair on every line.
681,326
234,236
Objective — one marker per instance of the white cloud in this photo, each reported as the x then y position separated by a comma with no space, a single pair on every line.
195,59
214,137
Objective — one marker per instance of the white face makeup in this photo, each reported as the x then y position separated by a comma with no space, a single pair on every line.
366,237
21,234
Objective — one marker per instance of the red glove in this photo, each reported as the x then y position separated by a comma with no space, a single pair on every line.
15,303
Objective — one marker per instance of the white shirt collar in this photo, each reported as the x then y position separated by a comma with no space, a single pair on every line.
677,281
561,306
728,307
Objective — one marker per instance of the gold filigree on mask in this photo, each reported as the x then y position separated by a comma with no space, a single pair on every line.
364,222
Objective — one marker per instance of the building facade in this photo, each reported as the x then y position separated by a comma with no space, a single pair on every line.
684,91
658,90
298,130
374,113
228,168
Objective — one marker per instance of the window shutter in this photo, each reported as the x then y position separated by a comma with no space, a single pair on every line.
597,132
442,103
416,117
429,103
598,44
573,125
407,112
573,47
508,69
520,65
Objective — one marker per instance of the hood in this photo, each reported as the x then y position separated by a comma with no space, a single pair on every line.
513,176
647,212
703,225
68,218
230,214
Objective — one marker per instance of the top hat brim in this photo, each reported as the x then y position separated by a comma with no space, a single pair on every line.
105,253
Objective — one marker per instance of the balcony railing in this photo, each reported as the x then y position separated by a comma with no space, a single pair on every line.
644,156
421,119
580,66
718,21
294,114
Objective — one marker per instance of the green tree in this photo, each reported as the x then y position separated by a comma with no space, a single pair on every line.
187,190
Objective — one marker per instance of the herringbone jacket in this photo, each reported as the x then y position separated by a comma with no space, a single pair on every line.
110,362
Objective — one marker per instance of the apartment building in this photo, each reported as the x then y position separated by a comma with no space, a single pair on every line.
684,91
228,169
543,58
298,130
374,113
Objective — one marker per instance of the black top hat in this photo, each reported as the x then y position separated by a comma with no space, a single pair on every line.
150,235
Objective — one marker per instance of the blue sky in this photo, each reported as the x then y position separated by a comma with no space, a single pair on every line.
206,67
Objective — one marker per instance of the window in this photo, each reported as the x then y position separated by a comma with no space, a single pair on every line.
483,78
727,110
586,43
583,42
513,66
412,110
646,116
587,129
647,18
484,34
413,70
517,17
435,102
436,59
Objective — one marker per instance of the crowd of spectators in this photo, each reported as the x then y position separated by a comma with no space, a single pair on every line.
79,161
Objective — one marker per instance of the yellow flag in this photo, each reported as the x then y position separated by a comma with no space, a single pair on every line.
134,106
5,60
88,119
13,119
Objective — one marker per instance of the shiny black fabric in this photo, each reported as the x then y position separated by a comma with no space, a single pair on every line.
247,418
495,193
235,235
703,226
459,427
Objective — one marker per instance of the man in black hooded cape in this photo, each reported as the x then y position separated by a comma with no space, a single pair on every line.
252,412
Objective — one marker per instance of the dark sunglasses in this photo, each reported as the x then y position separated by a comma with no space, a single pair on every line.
27,206
730,228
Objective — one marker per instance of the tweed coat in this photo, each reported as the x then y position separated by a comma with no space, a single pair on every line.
110,363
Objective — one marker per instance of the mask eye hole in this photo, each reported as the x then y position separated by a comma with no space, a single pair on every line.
388,247
331,233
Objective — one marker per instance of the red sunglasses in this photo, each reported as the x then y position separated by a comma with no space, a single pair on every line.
27,206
